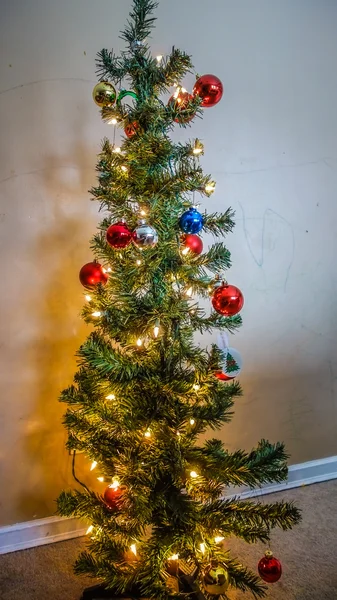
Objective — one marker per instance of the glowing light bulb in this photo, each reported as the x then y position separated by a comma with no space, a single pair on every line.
124,168
197,150
88,298
178,433
218,539
110,397
112,121
101,479
210,187
109,269
159,58
89,530
202,548
192,421
156,331
139,342
93,465
196,387
117,150
193,474
143,213
115,484
189,292
133,549
173,557
185,251
138,262
147,433
97,313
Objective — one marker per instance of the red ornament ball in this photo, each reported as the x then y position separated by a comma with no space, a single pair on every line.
119,235
227,300
210,90
131,129
180,101
193,243
270,568
91,274
113,496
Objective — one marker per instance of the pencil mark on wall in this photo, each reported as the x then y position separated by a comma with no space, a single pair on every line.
38,81
259,258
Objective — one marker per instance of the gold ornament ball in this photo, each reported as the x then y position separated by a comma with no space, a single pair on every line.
215,579
104,94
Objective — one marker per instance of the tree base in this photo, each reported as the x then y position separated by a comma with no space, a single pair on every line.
186,584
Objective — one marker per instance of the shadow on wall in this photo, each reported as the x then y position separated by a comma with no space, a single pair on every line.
59,254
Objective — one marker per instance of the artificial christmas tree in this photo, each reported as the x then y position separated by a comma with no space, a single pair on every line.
145,391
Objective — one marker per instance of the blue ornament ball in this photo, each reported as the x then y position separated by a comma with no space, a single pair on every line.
191,221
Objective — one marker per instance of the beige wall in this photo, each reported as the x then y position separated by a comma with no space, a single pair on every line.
272,146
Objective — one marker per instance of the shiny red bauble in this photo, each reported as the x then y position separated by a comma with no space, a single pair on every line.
227,300
113,497
119,235
210,90
270,568
180,101
192,243
131,129
91,274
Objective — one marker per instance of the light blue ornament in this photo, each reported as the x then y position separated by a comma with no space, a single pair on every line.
191,221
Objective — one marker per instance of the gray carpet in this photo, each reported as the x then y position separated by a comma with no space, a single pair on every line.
308,555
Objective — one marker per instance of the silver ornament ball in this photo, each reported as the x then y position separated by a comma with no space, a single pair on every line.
136,45
145,236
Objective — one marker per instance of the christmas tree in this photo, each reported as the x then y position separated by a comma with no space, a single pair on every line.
145,390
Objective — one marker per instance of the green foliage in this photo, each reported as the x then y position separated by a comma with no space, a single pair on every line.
164,386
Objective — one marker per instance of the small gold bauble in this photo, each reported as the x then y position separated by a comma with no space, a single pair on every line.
104,94
215,579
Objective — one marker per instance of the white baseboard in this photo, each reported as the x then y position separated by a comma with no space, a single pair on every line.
56,529
39,532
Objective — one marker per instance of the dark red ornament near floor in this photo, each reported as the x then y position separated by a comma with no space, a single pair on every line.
227,300
131,129
270,568
180,101
210,90
91,274
113,496
119,235
192,243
